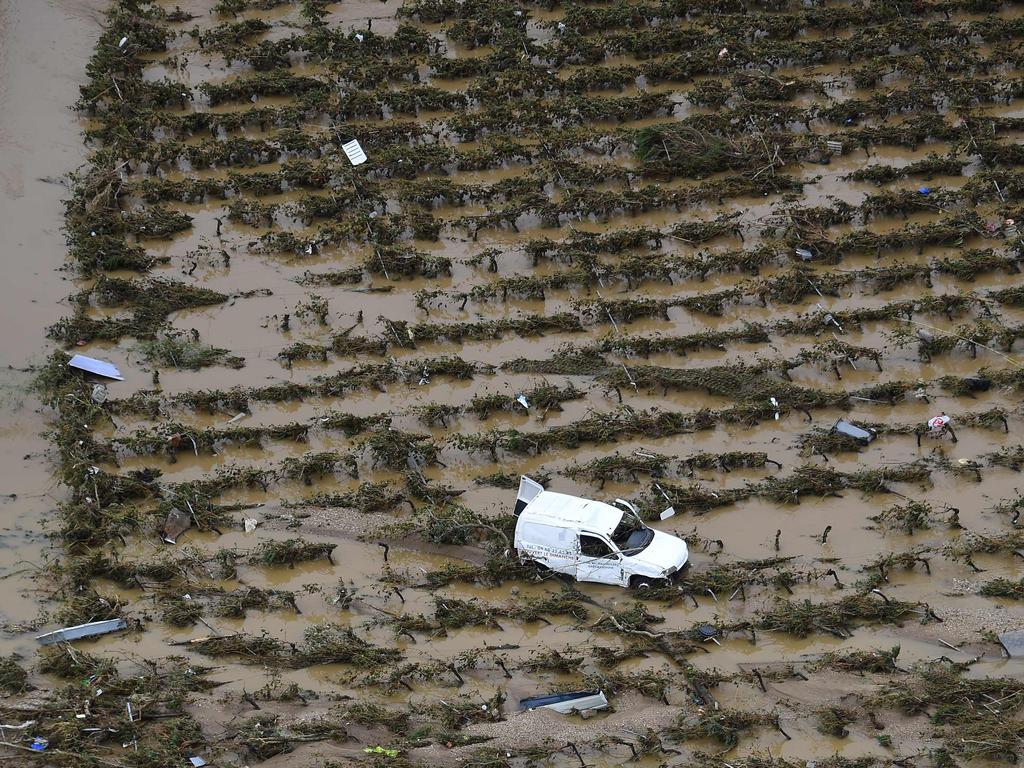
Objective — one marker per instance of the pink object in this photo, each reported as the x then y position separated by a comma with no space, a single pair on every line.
938,422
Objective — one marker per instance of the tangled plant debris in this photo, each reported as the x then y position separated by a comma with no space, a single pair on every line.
642,249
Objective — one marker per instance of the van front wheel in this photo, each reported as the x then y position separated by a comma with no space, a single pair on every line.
640,583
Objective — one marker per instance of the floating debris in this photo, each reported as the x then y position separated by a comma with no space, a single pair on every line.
567,703
97,367
177,523
977,383
82,630
860,434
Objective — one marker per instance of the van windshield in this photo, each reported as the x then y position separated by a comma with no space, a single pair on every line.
631,536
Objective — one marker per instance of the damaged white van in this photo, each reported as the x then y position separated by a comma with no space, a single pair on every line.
593,541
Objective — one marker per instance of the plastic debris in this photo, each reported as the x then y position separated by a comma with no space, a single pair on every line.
359,37
775,405
707,631
924,190
804,254
561,26
176,524
670,511
567,703
82,630
123,41
250,524
723,53
98,367
99,394
938,422
39,744
198,762
978,383
354,152
861,435
521,399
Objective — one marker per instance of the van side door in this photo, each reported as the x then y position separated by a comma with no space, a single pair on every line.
557,548
598,561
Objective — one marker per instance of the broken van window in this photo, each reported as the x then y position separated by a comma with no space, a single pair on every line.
591,546
631,536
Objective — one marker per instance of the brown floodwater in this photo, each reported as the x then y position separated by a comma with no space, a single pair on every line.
43,50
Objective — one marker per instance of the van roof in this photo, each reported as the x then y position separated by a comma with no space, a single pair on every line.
550,507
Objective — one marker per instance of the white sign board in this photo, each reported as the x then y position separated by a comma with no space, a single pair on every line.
354,152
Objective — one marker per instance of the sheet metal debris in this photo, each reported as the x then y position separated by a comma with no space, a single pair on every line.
354,152
98,367
567,703
861,435
1013,643
198,762
82,630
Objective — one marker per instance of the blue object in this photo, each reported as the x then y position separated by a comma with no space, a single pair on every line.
39,744
924,190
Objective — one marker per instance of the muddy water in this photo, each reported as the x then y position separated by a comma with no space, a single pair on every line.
43,49
40,140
